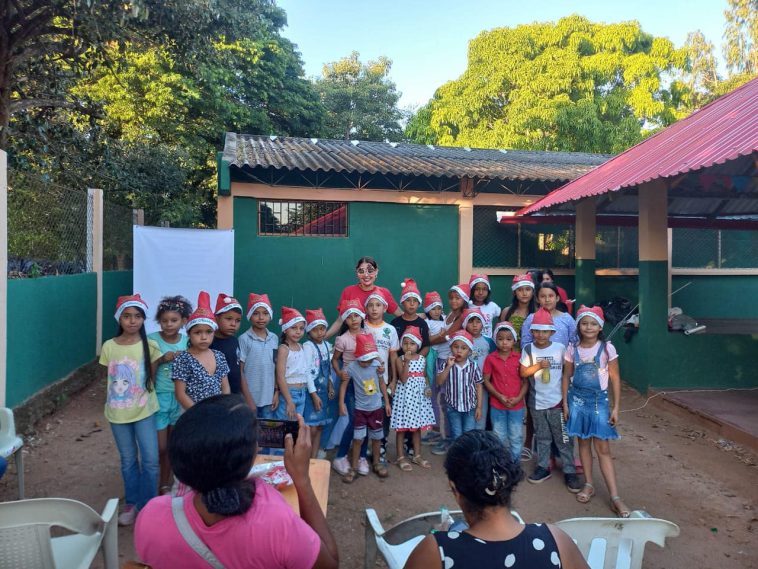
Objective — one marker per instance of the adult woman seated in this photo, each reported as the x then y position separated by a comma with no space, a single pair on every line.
243,523
482,477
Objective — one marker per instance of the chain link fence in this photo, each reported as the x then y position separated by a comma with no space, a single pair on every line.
117,236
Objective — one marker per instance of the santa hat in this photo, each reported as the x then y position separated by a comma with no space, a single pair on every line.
125,302
542,320
351,306
315,318
203,313
461,336
410,290
470,313
463,290
476,279
505,325
414,333
594,312
365,348
432,300
290,317
376,295
255,301
522,280
225,303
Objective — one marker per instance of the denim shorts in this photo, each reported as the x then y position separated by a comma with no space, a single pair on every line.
169,410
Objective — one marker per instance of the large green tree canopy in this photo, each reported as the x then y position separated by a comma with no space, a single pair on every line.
573,85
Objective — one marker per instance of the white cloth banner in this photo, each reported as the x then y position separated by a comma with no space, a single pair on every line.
169,261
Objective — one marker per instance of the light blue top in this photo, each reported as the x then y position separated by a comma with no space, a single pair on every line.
163,381
565,330
259,358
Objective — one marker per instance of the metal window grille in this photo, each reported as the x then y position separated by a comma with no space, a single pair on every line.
302,218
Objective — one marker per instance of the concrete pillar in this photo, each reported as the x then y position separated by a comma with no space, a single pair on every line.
4,275
584,281
225,212
465,241
95,256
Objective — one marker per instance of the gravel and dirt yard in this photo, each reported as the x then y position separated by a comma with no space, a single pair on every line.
666,465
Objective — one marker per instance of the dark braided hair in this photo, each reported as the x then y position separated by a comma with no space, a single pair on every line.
212,448
481,468
173,304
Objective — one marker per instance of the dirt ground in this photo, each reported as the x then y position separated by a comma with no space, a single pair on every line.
666,466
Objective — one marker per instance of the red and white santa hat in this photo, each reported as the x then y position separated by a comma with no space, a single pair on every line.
203,313
132,300
290,317
255,301
414,333
461,336
505,325
410,290
351,306
225,303
432,300
476,279
470,313
542,320
463,290
522,280
365,348
315,318
594,312
376,295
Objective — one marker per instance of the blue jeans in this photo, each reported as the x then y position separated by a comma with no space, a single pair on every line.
459,422
138,446
482,423
298,396
508,425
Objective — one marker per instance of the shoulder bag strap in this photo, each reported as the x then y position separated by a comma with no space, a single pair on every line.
189,535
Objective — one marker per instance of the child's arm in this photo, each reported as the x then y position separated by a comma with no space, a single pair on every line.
341,373
225,389
385,398
478,412
522,392
343,392
392,375
614,379
281,382
180,391
245,389
486,381
568,371
334,328
443,375
404,370
526,371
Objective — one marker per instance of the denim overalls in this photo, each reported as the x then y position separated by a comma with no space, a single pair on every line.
321,378
588,403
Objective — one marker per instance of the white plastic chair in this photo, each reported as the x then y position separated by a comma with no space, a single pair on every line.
25,539
398,542
617,543
10,444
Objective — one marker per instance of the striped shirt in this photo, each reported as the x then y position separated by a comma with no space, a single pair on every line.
460,387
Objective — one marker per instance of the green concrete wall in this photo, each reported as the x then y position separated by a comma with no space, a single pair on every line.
51,331
419,241
115,284
719,296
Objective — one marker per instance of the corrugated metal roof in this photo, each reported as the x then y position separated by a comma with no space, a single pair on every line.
391,158
721,131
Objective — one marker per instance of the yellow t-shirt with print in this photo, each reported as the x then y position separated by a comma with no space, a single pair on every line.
127,400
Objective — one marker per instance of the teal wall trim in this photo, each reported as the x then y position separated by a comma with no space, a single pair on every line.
224,182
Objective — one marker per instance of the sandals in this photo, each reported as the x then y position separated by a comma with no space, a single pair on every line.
349,476
419,461
586,493
403,464
380,470
618,506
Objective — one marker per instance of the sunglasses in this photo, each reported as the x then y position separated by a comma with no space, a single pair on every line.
369,271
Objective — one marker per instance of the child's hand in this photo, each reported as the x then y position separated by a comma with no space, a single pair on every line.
169,356
478,414
544,364
450,361
344,375
566,413
380,370
508,401
291,411
428,392
275,401
391,387
343,409
613,421
316,402
330,391
388,409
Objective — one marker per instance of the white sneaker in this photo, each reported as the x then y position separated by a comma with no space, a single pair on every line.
127,515
363,468
341,465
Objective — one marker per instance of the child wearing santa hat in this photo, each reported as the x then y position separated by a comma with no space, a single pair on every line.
542,363
435,319
523,303
473,323
371,403
481,291
200,372
229,317
590,367
131,403
292,369
462,394
410,300
171,315
320,406
258,348
412,405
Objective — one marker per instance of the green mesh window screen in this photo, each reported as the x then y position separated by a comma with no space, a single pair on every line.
547,246
617,248
714,249
495,244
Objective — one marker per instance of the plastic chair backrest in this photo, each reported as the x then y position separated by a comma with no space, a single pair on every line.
7,426
62,512
615,543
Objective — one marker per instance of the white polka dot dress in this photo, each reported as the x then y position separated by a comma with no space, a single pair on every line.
411,407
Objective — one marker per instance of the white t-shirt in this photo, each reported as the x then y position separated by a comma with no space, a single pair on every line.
546,395
491,312
385,337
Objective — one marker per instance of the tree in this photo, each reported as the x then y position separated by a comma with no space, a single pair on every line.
741,37
360,100
573,85
700,74
419,127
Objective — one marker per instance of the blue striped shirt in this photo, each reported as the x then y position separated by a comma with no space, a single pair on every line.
258,356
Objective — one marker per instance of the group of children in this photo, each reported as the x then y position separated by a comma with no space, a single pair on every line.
434,374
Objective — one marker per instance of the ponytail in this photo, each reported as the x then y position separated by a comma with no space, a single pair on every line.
146,356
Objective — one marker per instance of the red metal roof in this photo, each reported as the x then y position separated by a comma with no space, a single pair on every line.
723,130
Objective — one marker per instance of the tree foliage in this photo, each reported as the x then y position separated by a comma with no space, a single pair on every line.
741,37
360,100
571,85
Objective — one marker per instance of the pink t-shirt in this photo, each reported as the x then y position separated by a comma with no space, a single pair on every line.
264,537
346,344
588,355
357,293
